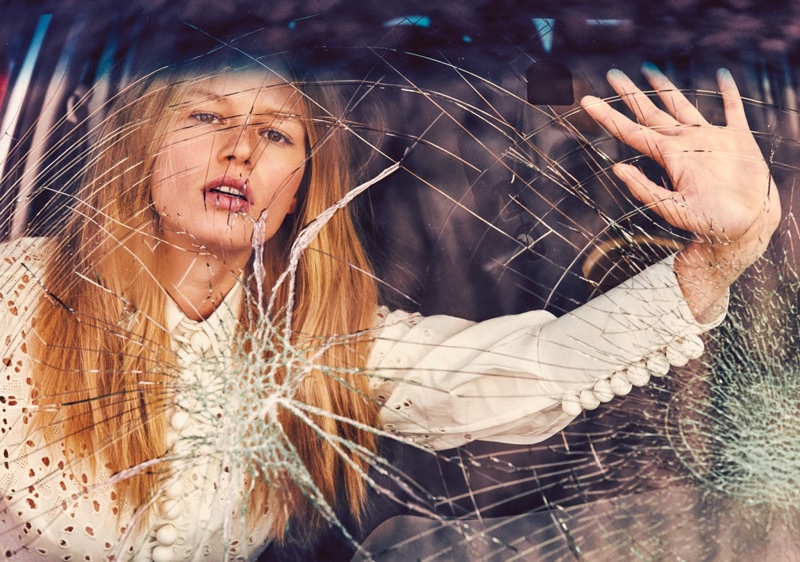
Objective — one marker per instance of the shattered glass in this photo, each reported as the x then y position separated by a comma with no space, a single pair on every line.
481,189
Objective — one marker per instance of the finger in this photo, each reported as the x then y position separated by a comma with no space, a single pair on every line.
640,104
731,100
639,137
675,102
668,204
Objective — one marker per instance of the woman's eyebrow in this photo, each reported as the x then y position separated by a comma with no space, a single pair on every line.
282,115
206,95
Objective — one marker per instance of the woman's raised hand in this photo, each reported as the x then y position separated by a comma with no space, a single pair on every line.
723,190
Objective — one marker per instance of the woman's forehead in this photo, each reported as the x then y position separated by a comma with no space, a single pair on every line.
259,89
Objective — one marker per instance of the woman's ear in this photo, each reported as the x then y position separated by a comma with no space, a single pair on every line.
292,206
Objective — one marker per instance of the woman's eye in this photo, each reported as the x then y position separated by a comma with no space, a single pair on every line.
274,135
206,117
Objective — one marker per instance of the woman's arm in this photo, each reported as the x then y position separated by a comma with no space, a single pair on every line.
445,381
520,379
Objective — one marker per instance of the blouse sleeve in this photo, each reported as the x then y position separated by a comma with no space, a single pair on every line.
520,379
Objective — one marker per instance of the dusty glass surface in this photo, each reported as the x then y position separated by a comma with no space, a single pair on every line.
480,188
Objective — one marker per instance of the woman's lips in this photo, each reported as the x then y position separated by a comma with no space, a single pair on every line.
228,193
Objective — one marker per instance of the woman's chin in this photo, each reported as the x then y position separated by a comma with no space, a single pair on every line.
235,243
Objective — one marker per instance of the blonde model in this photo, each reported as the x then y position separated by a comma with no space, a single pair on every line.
151,345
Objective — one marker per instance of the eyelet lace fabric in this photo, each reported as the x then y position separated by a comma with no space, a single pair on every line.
55,511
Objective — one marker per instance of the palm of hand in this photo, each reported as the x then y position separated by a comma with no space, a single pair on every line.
723,188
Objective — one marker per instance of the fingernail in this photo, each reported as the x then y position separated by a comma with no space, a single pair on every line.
724,74
650,68
615,73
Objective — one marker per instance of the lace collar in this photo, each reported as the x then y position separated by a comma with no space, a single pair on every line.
209,336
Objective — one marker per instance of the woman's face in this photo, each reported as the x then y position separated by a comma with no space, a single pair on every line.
237,150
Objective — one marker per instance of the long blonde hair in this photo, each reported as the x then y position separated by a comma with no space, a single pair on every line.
107,365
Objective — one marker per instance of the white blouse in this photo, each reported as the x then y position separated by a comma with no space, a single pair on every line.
442,381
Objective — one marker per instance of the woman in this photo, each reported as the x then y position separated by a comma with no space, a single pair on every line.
189,372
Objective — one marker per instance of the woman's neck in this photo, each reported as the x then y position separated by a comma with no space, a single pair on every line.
198,281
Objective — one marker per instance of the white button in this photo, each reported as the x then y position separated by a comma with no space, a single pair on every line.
620,385
679,351
638,375
171,509
162,554
179,419
675,354
602,390
200,342
167,534
571,405
588,400
658,365
692,347
175,490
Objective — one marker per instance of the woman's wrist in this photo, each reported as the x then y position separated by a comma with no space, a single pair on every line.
703,284
705,272
707,267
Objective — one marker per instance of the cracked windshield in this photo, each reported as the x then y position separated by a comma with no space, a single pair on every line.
328,280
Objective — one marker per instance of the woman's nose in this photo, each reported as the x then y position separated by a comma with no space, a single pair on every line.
239,145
